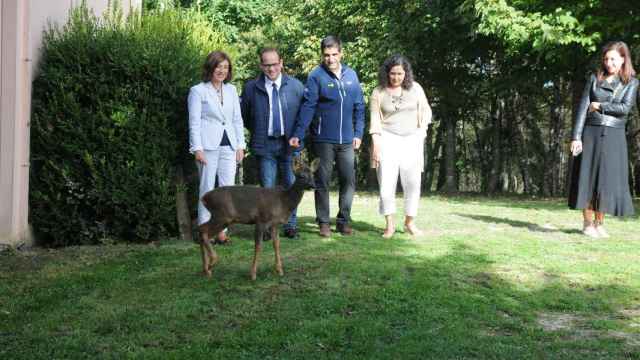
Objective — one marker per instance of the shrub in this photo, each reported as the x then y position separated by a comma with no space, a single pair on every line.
109,123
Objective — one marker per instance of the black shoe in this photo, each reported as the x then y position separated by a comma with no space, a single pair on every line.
291,233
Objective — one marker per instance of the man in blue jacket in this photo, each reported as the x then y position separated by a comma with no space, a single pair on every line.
270,106
333,101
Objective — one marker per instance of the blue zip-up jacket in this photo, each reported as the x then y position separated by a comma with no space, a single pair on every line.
336,107
255,109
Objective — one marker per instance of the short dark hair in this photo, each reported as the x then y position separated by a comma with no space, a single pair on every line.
211,63
267,49
329,42
626,72
385,68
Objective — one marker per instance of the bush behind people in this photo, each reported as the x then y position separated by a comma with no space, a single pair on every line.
109,124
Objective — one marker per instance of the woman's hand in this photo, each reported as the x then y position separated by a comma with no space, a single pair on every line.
375,152
576,147
594,106
239,155
200,157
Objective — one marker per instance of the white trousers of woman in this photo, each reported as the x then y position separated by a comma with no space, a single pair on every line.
400,155
222,163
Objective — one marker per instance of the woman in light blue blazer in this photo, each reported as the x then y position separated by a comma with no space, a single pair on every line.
216,131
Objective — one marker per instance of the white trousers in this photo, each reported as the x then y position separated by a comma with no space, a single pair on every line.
221,163
400,155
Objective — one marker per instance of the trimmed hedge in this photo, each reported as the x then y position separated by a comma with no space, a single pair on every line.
109,124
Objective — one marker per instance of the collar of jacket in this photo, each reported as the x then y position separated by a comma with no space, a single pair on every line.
260,82
343,69
610,85
209,84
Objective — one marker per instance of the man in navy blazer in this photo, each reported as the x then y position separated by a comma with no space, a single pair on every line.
270,105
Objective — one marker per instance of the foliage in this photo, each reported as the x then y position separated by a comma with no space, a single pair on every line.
494,278
109,123
541,31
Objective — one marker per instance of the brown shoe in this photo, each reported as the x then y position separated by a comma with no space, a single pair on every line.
325,230
344,229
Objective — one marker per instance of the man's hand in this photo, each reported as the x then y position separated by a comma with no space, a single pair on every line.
356,143
239,155
594,106
200,157
294,142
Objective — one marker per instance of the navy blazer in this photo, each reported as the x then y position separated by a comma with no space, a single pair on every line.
255,108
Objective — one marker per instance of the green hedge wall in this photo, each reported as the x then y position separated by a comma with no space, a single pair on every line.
109,124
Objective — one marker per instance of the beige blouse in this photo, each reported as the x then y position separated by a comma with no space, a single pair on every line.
396,117
414,102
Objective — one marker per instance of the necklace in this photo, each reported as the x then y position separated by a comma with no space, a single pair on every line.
397,100
219,93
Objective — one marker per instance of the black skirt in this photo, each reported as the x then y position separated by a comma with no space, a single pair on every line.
600,174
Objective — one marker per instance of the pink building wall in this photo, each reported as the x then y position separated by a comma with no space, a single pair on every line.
22,23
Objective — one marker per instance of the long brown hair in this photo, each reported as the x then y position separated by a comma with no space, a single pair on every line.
627,71
211,62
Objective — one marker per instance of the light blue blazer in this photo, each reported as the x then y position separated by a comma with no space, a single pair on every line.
208,119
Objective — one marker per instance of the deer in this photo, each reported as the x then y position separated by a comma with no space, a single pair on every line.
265,207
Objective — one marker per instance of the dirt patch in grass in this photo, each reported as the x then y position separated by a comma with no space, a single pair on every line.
577,327
558,321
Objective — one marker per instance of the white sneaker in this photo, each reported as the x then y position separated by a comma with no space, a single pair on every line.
602,232
591,231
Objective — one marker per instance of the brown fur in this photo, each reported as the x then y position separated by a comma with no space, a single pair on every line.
266,208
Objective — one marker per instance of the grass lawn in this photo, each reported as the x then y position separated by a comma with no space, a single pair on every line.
502,278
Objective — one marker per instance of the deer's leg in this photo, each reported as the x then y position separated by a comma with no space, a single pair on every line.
276,248
209,256
259,233
213,256
204,249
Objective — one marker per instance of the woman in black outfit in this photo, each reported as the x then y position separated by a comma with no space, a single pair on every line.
600,178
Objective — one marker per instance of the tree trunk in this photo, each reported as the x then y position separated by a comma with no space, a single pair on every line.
496,146
554,171
450,179
240,174
182,206
429,158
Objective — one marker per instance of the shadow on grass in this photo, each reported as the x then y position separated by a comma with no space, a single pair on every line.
523,202
517,223
306,226
342,297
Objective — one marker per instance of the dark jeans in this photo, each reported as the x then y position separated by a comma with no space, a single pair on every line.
343,156
277,161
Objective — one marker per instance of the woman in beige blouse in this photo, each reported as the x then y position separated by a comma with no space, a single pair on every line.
400,115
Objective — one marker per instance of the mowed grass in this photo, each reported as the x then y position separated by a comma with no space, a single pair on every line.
501,278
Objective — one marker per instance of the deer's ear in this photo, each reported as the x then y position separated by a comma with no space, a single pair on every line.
314,164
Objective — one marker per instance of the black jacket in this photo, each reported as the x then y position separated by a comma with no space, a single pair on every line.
616,101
